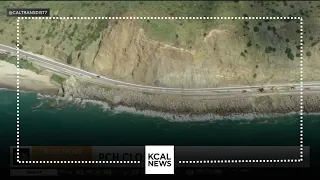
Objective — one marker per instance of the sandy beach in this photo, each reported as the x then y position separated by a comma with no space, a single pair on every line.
28,80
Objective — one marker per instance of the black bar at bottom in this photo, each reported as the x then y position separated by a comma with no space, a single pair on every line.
131,172
184,156
239,156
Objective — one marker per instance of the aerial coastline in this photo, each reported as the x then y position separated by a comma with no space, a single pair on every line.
183,67
175,107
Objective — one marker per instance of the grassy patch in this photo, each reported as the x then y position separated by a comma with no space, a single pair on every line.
289,53
315,43
164,30
69,59
94,31
308,53
148,93
23,63
270,49
57,78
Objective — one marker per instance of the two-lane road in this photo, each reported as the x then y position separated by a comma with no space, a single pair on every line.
70,70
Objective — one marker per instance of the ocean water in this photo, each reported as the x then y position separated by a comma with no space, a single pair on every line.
92,124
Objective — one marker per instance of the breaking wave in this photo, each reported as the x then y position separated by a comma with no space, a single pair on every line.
157,114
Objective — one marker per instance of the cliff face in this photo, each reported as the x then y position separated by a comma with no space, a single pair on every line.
224,56
228,54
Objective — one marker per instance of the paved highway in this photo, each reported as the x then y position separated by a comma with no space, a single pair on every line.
70,70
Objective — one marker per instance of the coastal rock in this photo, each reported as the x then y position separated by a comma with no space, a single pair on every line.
191,106
61,91
69,87
116,99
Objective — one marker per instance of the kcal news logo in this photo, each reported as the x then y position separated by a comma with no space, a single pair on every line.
159,159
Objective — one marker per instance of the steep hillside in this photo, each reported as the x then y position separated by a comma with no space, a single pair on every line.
177,53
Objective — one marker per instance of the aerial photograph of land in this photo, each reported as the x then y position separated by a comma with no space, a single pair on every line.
196,66
126,74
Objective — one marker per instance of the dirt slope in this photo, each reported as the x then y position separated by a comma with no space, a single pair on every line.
179,53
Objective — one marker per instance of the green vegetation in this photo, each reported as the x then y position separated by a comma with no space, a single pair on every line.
269,28
57,78
95,32
148,93
290,56
75,28
269,49
289,53
254,75
288,50
315,43
156,82
23,64
69,59
76,35
50,33
308,53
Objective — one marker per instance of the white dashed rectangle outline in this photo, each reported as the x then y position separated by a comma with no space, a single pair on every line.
181,162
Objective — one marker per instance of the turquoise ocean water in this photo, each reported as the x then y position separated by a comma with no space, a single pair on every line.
41,124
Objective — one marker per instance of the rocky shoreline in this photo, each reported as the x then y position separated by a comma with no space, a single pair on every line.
179,105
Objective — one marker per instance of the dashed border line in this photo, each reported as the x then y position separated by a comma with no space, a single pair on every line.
81,162
158,18
241,161
181,162
301,88
18,95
